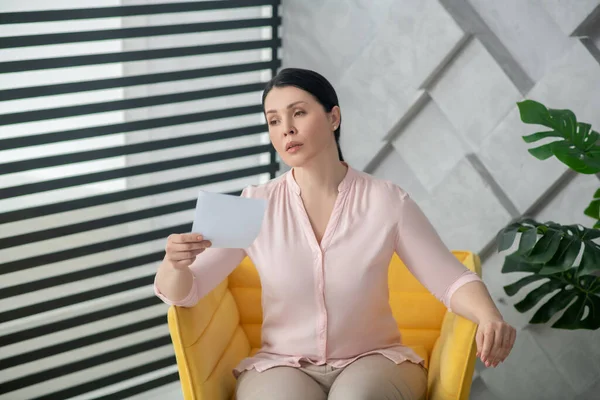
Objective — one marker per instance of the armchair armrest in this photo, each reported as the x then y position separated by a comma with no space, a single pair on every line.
208,342
454,353
453,360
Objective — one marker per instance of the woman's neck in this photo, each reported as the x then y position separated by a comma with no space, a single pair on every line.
320,177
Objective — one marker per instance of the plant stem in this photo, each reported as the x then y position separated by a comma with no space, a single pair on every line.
593,284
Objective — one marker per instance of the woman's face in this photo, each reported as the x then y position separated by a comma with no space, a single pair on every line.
299,127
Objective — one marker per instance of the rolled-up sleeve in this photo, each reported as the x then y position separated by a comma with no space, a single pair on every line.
422,250
189,301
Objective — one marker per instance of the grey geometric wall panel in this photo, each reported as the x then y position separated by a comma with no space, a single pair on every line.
428,92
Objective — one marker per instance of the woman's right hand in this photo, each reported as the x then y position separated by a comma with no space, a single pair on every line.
182,249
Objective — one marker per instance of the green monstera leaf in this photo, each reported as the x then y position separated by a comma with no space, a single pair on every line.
549,251
593,210
577,147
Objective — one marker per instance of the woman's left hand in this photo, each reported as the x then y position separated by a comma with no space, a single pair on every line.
495,339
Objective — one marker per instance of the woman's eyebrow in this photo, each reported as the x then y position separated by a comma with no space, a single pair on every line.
288,107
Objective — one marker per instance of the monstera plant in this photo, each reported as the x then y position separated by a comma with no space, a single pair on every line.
563,259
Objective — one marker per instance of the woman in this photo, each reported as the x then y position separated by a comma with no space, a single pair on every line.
323,254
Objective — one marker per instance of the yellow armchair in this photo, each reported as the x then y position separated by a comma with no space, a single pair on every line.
211,338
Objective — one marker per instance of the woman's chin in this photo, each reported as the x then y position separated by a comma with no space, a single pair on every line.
293,163
300,159
293,160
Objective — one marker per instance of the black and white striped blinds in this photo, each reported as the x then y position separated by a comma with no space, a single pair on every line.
113,113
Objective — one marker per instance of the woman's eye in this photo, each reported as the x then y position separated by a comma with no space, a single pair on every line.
273,122
298,113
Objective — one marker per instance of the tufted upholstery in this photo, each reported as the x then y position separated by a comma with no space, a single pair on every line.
225,326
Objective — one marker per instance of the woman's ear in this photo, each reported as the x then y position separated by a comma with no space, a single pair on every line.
335,117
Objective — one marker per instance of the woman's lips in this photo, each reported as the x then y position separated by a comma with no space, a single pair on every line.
294,148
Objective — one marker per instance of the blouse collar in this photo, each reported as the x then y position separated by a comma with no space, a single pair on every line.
344,184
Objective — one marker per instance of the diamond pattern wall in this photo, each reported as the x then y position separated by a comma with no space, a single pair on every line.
428,92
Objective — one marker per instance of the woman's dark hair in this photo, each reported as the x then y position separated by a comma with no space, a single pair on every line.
313,83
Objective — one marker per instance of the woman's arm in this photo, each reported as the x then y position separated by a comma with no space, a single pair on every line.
191,269
421,249
473,301
463,292
187,285
495,338
175,281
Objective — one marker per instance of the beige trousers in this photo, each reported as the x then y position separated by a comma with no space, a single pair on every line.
371,377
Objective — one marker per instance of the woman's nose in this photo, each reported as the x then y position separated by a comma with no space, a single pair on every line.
289,130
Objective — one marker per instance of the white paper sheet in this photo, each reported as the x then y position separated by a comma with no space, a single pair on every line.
228,221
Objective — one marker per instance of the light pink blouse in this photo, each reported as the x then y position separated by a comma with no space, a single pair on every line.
328,303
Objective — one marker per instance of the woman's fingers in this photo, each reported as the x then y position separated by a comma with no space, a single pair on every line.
509,341
184,237
498,349
502,344
182,249
185,255
479,340
499,333
495,341
488,344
